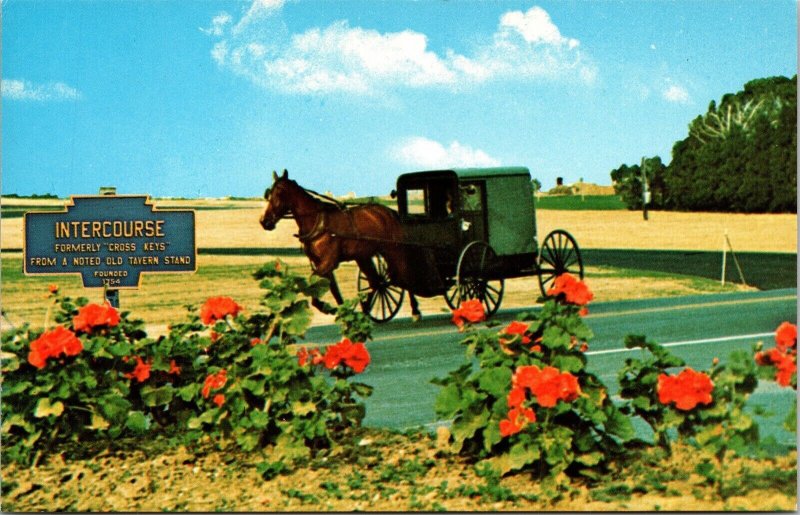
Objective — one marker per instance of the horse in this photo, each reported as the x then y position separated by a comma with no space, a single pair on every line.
331,233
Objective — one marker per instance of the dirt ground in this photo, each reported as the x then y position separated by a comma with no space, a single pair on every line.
388,472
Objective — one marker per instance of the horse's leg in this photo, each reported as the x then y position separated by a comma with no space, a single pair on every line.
416,316
337,294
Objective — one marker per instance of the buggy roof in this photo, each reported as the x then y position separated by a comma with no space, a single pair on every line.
470,173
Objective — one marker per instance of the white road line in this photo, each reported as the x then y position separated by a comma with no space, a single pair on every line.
688,342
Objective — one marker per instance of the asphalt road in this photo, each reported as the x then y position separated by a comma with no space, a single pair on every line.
407,355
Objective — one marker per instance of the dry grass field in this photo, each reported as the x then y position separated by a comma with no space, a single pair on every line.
224,223
234,223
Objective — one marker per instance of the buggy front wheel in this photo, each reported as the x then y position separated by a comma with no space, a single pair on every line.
380,299
559,254
475,278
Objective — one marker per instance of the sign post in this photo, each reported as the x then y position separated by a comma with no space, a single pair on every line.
110,241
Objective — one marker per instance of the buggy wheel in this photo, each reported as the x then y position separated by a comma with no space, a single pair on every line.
380,299
474,279
451,296
559,254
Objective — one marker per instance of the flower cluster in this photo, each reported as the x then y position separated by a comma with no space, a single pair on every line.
686,390
548,385
783,356
52,344
214,382
469,311
572,290
95,316
217,308
353,355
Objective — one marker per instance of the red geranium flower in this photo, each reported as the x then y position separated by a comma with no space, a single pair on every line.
53,288
140,372
516,397
470,311
302,356
217,308
786,336
93,316
785,364
548,385
574,290
52,344
174,368
255,341
354,355
517,419
214,381
219,399
686,390
515,329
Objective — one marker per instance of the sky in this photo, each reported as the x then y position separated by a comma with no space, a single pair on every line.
206,99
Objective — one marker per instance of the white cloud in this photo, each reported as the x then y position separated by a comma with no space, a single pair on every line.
24,90
419,152
341,58
218,24
676,94
535,26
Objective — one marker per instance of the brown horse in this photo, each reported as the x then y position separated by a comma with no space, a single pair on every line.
331,234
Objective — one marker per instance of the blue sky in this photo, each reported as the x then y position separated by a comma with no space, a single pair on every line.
206,98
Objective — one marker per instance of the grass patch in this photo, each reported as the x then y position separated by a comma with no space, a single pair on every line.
578,203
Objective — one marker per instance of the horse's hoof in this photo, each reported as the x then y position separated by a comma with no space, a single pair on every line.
416,317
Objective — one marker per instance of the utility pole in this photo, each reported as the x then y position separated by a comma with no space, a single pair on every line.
645,192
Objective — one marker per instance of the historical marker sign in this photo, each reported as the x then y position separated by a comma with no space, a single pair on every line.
110,241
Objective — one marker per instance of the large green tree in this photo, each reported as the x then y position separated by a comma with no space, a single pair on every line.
740,156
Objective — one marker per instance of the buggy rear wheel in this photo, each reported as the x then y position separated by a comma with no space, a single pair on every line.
474,279
559,254
380,299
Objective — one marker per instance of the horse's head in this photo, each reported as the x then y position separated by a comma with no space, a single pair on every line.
277,201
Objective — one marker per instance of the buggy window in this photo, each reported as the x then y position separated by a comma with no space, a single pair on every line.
416,201
471,197
434,200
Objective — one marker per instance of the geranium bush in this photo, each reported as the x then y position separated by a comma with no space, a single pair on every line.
524,399
224,374
68,382
703,408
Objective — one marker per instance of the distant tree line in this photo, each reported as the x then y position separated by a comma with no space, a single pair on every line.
44,195
740,156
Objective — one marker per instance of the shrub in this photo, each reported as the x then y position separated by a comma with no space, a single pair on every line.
223,374
530,403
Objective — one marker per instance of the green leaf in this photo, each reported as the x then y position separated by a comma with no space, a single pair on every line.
448,401
303,408
520,454
152,396
363,390
16,420
98,423
496,381
466,426
137,422
568,363
590,459
259,419
44,408
620,425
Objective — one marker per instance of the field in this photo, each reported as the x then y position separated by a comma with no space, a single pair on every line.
229,231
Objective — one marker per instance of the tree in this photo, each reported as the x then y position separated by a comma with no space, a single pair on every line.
627,182
740,155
